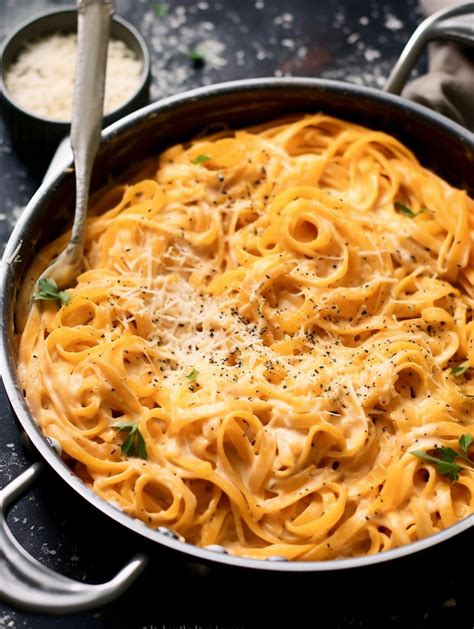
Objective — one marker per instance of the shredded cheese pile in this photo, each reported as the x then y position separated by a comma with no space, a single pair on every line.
41,80
280,314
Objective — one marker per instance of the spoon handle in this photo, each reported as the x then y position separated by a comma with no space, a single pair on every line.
92,43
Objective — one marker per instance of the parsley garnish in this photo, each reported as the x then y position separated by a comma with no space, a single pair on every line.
197,57
161,10
193,375
464,441
48,291
408,212
201,159
460,369
134,444
445,461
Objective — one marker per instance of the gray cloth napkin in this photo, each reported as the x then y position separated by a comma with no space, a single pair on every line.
449,85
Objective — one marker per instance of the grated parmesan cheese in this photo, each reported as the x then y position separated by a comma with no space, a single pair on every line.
42,78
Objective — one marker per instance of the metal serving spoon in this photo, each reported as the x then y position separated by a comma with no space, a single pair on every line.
92,42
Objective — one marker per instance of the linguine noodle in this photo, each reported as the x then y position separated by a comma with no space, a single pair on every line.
276,312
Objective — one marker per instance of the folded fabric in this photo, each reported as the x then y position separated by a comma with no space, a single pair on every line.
449,85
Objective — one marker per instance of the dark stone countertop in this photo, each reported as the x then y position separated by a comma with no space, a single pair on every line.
354,40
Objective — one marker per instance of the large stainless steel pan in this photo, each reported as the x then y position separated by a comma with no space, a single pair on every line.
439,143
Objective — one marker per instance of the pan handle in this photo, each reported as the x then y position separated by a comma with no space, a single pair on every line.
450,23
27,584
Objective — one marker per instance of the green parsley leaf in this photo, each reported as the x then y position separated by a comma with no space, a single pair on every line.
48,291
134,444
141,446
405,210
451,470
460,369
193,375
201,159
447,468
424,455
409,212
446,461
447,454
161,10
464,441
128,444
64,296
197,57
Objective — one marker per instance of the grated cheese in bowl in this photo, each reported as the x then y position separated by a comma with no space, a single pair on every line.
41,80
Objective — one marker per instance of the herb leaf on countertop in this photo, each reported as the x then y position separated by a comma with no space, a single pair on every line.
161,10
197,57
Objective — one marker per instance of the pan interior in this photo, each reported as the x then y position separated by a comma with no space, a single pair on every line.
133,140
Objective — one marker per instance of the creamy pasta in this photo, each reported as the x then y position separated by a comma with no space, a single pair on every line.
270,322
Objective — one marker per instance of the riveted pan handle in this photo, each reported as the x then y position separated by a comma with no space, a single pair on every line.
455,23
27,584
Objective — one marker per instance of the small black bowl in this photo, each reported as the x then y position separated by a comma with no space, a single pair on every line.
33,137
